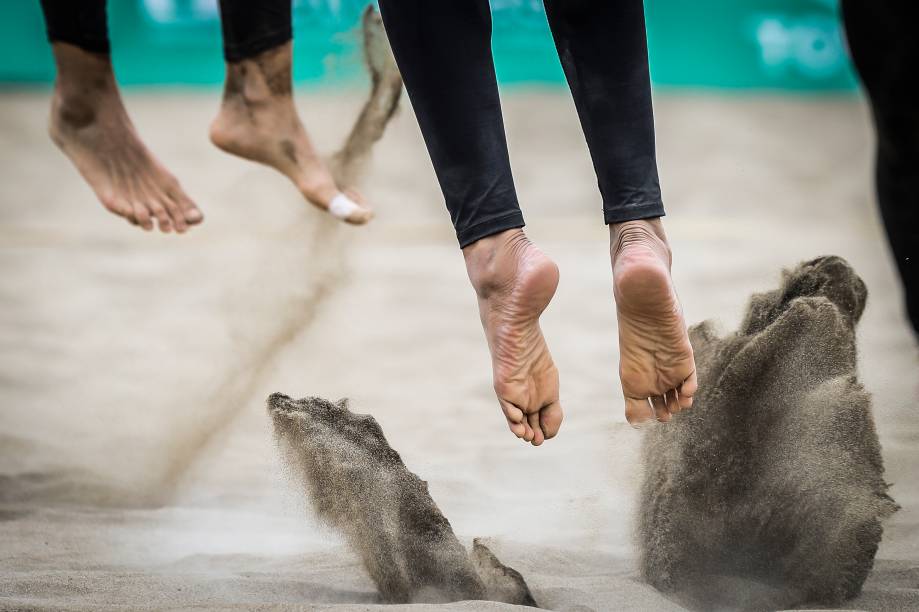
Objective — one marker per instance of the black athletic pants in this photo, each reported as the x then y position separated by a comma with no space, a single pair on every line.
885,49
249,26
443,48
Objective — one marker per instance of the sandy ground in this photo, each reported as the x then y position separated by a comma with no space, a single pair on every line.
137,469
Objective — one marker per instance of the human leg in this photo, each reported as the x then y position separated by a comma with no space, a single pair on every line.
91,126
603,51
258,119
885,52
443,50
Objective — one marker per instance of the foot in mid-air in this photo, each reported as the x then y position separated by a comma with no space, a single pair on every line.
656,364
514,282
91,126
258,121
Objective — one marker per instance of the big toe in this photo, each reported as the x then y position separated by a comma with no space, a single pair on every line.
363,213
349,206
360,216
687,390
193,215
638,411
550,420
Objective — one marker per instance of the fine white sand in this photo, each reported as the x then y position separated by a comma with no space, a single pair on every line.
137,468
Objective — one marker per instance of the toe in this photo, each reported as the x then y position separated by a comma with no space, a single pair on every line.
688,389
142,216
690,385
357,196
193,216
512,413
360,218
123,208
518,429
660,408
362,215
516,420
186,207
550,419
528,433
672,400
162,217
117,206
533,421
176,216
638,411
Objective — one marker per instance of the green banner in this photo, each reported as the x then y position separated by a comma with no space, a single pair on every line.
731,44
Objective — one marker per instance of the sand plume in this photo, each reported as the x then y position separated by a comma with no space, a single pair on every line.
502,583
769,492
359,485
323,249
349,164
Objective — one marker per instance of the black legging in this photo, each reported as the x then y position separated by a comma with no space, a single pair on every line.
885,50
443,48
249,26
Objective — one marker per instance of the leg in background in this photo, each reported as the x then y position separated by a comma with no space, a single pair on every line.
885,51
91,126
257,119
603,50
443,49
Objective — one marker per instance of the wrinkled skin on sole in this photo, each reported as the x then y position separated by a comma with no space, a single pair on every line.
359,485
770,493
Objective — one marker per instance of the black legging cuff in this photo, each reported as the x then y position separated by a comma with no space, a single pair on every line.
620,214
251,27
77,22
489,227
238,52
443,48
101,47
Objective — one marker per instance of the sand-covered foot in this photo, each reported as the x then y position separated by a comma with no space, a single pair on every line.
514,282
91,126
258,121
656,363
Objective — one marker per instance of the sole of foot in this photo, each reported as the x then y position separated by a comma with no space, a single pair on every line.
90,125
515,282
656,365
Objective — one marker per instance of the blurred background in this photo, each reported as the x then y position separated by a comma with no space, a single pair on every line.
726,44
137,466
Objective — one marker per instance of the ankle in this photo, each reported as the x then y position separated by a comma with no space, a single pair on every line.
81,73
74,109
646,233
261,80
487,261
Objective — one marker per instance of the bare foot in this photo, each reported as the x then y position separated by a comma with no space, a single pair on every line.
656,363
514,282
258,121
91,126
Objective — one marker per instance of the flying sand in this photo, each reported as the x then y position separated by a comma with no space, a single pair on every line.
769,493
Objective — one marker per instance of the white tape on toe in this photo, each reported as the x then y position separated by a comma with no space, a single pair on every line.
343,207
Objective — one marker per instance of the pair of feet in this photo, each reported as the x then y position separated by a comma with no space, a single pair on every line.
515,281
257,121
